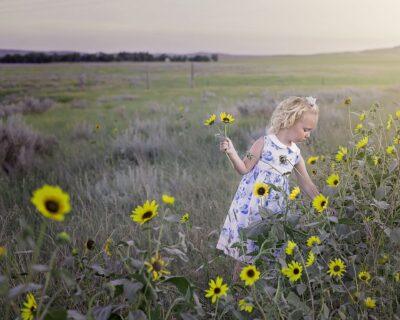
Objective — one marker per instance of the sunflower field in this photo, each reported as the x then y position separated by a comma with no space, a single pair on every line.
121,219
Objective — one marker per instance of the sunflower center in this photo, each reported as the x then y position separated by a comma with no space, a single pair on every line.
364,278
250,273
296,271
225,120
261,191
52,206
335,182
336,268
33,308
312,161
157,266
323,203
217,290
147,215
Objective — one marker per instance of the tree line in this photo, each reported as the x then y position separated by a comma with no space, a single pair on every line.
43,57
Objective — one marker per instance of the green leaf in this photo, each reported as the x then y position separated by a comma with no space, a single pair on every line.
172,218
75,315
176,252
56,314
393,165
137,315
23,288
102,313
383,205
301,288
181,283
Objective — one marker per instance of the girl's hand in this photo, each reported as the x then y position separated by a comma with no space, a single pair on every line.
226,145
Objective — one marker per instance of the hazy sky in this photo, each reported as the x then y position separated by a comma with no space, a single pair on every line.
183,26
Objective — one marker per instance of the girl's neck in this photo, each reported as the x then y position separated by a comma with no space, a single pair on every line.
284,138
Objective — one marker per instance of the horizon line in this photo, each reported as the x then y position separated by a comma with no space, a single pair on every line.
203,52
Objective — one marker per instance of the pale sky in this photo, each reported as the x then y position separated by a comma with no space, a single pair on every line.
184,26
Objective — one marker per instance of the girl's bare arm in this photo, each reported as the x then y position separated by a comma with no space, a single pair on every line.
304,179
243,166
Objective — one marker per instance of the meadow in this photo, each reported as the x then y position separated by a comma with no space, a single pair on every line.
115,135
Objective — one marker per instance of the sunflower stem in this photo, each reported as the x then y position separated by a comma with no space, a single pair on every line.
254,294
216,310
308,285
48,276
38,246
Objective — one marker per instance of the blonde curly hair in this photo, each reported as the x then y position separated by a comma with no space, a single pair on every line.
290,110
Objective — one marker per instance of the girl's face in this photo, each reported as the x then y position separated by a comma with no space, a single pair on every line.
302,128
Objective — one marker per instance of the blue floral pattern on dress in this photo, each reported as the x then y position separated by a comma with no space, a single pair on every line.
274,166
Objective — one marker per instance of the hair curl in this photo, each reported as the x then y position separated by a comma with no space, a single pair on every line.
288,111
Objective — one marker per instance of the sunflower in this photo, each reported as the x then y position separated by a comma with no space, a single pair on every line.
63,237
217,289
383,259
396,139
211,120
370,303
28,311
107,245
362,143
310,259
167,199
97,126
364,276
261,189
390,150
333,180
376,160
3,251
295,192
313,240
398,114
320,203
245,306
362,116
336,268
90,244
142,214
52,202
156,266
293,271
291,245
249,275
358,128
185,218
341,155
389,122
314,172
397,276
226,118
312,160
347,101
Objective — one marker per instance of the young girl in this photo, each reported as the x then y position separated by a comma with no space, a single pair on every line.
270,160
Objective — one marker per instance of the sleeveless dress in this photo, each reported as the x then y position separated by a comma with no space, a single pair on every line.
274,167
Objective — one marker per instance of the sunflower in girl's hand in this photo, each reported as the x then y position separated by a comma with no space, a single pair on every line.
211,120
226,118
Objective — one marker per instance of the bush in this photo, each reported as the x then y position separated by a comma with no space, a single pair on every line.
20,147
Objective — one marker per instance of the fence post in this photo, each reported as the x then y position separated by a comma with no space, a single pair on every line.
147,77
191,74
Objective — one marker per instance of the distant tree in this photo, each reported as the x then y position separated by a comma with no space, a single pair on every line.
42,57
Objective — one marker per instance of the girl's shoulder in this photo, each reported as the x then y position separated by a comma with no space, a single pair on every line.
272,142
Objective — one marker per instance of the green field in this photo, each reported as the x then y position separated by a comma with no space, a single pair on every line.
123,138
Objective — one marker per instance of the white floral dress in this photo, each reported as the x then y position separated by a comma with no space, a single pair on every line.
274,167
